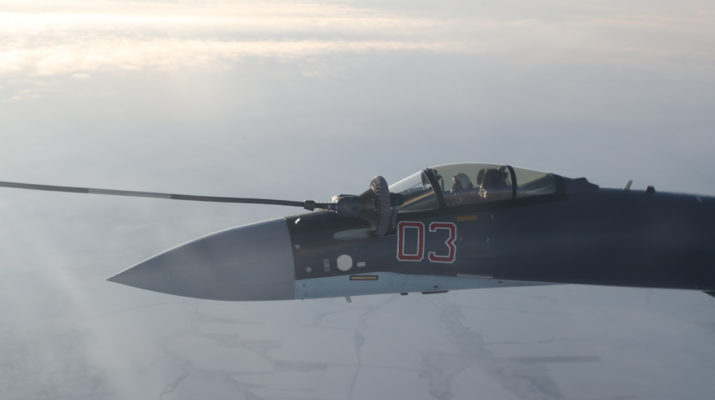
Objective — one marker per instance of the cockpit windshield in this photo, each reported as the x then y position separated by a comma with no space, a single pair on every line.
473,183
416,192
461,184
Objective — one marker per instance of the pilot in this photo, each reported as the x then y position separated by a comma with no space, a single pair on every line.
480,177
461,183
494,184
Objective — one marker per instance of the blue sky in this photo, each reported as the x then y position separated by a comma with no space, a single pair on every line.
307,100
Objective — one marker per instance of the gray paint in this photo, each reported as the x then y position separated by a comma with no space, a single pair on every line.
252,262
390,282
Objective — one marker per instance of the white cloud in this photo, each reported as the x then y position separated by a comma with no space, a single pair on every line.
69,39
178,54
41,38
543,91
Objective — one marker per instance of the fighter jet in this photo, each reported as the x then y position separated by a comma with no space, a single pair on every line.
448,227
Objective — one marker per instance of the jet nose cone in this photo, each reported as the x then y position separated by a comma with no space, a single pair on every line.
253,262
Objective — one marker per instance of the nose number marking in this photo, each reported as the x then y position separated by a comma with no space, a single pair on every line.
432,256
401,228
452,249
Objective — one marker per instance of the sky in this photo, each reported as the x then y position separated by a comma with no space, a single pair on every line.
305,100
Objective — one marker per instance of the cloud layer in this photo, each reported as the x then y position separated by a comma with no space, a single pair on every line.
304,101
42,38
166,36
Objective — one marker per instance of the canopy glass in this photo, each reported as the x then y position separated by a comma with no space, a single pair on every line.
462,184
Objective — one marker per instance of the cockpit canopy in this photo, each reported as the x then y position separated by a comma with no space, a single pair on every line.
462,184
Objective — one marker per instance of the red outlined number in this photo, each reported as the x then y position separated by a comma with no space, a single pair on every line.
442,256
451,248
402,227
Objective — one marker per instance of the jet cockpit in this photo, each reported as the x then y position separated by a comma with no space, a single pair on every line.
470,183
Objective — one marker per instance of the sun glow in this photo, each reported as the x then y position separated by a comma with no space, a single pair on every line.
40,39
71,39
